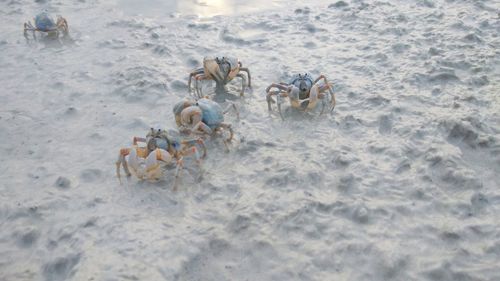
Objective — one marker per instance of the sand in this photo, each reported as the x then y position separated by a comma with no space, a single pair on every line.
400,182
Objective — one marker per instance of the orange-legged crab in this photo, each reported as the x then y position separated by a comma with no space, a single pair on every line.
145,162
46,24
221,70
303,93
203,117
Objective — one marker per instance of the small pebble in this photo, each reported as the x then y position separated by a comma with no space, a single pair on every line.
63,183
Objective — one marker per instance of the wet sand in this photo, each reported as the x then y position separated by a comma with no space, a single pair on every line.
400,182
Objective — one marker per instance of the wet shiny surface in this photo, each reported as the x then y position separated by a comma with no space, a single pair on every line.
202,8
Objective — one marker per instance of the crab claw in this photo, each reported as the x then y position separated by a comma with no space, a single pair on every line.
152,163
313,97
148,168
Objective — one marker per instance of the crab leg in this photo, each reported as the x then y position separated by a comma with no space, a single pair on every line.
334,102
203,147
197,88
321,96
192,74
178,169
282,88
193,150
227,127
242,83
198,78
232,106
63,24
245,69
323,104
279,102
193,144
28,26
330,88
121,161
136,140
186,151
319,78
269,98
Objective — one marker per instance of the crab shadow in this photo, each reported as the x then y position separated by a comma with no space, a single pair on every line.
230,92
50,41
224,97
291,114
190,174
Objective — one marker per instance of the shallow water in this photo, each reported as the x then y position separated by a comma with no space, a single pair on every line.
202,8
400,182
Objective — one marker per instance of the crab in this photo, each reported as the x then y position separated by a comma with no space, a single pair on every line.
203,117
303,93
46,24
144,161
222,70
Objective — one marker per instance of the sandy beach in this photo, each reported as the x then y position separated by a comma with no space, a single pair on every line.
400,182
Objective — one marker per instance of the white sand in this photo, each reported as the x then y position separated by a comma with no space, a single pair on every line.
401,182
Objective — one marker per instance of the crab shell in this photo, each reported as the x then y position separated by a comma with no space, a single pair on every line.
213,115
221,69
212,112
304,83
45,22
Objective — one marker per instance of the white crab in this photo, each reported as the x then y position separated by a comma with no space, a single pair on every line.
160,149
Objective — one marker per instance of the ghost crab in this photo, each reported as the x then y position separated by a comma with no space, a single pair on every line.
160,148
203,117
221,70
303,93
46,24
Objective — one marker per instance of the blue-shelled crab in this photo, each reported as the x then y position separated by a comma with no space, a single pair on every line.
303,93
159,148
203,117
221,70
45,23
